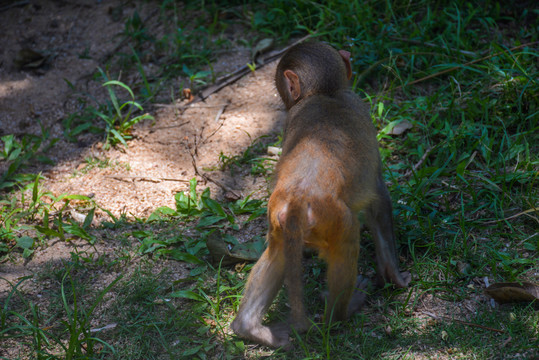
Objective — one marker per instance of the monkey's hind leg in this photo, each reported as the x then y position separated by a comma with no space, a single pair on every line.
342,270
379,219
264,282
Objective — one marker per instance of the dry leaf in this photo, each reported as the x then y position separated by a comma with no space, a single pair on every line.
231,196
29,59
511,292
227,254
444,335
274,150
400,128
261,47
188,95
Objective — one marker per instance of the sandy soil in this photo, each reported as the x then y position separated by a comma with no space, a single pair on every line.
158,161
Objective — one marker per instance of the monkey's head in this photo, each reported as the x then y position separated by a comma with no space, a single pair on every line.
311,68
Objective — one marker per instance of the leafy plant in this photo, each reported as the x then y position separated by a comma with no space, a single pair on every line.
260,165
118,117
118,120
19,154
81,341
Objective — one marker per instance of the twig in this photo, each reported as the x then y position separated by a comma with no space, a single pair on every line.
446,318
208,178
169,127
238,74
15,4
220,125
420,162
507,341
144,178
525,212
416,42
460,66
188,106
213,133
220,112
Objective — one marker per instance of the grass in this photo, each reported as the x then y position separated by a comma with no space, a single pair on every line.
463,179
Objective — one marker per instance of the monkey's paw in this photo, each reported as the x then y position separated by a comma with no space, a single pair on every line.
275,336
359,295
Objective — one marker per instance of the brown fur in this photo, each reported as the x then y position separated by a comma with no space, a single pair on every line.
329,171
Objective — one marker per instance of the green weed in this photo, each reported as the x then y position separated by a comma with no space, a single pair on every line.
19,154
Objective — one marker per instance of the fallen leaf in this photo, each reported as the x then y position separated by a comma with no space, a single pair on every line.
444,335
511,292
261,47
231,196
228,254
188,95
400,127
28,58
274,150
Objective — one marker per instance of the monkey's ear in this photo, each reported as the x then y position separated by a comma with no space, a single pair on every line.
346,57
292,80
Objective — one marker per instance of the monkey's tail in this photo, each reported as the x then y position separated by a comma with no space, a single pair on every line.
294,226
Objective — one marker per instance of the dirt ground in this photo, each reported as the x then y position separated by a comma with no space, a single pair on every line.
157,163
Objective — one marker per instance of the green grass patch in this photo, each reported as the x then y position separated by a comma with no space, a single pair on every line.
463,177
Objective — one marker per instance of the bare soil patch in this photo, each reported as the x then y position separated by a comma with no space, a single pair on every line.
158,162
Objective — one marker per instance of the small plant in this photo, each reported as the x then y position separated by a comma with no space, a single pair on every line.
93,162
23,319
260,165
252,66
24,222
19,154
118,120
196,77
118,117
81,340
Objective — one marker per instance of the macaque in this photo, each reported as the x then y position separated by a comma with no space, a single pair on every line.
329,171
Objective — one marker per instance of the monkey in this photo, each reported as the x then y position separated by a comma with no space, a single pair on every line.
329,171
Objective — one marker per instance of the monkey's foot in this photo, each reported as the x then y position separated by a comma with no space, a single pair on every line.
407,277
359,295
275,336
301,326
400,279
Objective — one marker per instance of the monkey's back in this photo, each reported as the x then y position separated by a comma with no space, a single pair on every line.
325,135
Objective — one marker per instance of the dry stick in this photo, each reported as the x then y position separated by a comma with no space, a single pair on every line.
220,112
143,178
208,178
446,318
463,52
525,212
187,106
220,125
15,4
235,76
466,64
169,127
420,162
213,133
